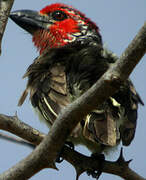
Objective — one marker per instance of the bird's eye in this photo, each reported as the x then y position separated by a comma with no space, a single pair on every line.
59,15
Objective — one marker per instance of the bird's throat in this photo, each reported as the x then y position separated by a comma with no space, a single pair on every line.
44,39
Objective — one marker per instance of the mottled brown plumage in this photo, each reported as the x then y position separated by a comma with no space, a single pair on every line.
54,82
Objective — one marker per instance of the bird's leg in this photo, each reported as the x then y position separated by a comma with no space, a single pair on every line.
59,158
96,173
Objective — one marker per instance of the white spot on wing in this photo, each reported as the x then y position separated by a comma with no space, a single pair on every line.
114,102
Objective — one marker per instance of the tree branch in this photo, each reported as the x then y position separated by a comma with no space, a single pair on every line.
80,162
16,140
5,7
13,125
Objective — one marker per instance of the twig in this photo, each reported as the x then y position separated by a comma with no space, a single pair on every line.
13,125
16,140
5,7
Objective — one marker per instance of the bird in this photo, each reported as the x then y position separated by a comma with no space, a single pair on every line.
72,57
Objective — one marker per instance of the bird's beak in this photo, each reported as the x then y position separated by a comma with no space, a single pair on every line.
29,20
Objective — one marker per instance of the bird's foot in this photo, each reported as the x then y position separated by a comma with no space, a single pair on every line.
59,158
96,173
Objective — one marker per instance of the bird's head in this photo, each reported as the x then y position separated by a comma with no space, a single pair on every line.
56,25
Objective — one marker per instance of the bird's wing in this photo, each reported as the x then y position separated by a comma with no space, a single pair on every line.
48,92
54,97
101,126
116,119
128,128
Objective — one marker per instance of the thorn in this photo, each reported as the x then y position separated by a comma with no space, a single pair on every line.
77,176
128,162
53,166
78,173
121,159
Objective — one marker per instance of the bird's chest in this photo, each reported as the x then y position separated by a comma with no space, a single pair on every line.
79,80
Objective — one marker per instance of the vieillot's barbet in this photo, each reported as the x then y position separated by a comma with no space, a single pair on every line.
72,58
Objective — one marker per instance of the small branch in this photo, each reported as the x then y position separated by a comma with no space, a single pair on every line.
13,125
16,140
80,162
5,7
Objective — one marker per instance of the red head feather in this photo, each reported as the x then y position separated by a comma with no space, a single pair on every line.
59,33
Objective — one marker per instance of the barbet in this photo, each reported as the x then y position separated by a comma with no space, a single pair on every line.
72,58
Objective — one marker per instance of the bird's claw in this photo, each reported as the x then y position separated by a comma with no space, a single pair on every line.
69,144
59,159
96,173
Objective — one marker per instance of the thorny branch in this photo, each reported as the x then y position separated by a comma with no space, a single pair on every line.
5,7
80,162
